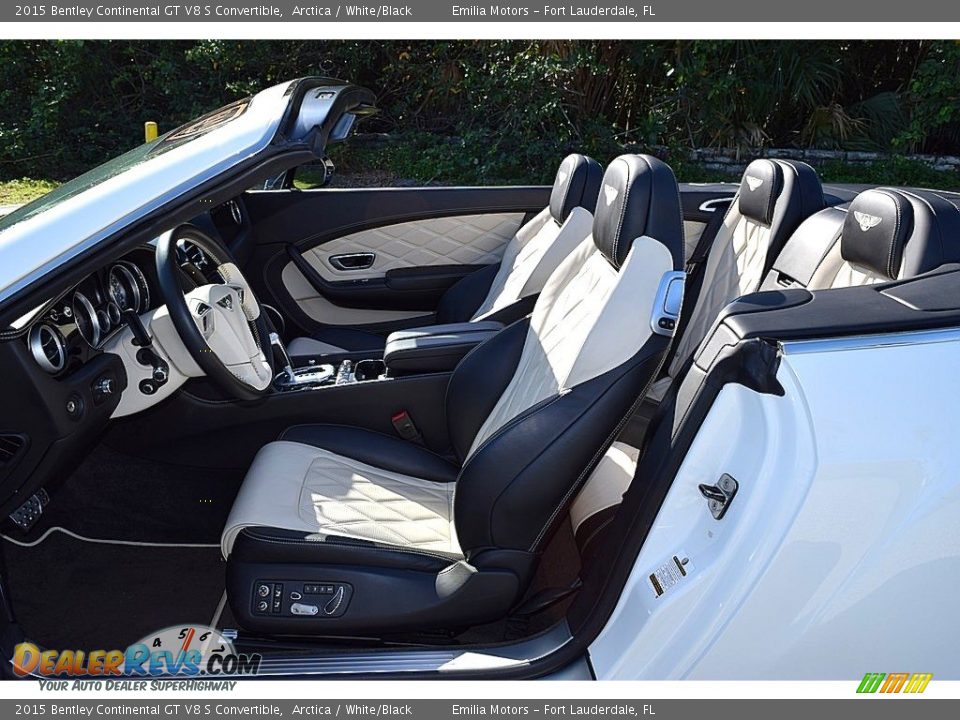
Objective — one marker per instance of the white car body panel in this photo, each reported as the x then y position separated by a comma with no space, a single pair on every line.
840,553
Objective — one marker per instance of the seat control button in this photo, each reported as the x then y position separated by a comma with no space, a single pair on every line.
296,596
304,609
334,604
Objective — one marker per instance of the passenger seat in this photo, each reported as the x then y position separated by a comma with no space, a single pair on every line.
503,292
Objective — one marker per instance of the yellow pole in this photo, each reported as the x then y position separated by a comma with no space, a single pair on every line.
149,131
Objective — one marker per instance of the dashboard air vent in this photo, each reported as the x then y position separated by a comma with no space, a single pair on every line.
48,347
10,447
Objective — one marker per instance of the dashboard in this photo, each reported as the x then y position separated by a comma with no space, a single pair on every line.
83,321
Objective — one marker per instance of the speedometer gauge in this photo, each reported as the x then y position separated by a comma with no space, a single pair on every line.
128,288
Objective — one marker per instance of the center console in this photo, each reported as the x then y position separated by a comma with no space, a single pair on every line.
431,349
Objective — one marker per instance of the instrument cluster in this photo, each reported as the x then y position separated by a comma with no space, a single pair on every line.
83,320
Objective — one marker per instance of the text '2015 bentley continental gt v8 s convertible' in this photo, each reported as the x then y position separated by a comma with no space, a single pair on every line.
619,427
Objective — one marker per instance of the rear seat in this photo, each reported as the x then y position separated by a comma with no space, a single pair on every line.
883,235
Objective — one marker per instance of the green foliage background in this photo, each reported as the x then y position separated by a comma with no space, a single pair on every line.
486,112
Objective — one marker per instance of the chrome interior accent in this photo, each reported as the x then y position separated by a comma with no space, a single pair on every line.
48,348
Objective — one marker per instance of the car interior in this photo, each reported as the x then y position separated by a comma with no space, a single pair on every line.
337,421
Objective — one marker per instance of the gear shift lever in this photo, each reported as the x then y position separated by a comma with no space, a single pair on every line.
277,344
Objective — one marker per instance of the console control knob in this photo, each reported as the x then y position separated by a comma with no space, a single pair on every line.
304,609
263,606
104,386
263,590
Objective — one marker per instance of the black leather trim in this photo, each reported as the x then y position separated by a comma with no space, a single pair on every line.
461,301
760,189
516,488
478,382
277,545
639,196
899,233
806,250
576,184
511,313
351,340
435,348
373,448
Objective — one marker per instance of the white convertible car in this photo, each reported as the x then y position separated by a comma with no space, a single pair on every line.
617,428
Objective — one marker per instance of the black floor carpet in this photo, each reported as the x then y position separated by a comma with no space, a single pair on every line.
72,594
115,496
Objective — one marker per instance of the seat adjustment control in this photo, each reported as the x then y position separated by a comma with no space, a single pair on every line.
304,609
296,598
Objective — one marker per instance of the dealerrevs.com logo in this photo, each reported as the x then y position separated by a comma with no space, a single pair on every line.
184,650
894,683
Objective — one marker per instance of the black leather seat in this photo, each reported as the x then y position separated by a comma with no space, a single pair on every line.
341,530
505,291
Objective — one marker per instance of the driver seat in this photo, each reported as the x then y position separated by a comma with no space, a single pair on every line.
340,530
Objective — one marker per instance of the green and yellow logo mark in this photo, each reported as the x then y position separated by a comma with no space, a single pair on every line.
894,682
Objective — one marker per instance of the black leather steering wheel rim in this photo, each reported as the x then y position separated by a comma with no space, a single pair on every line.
168,276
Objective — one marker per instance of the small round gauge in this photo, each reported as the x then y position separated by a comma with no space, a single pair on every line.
103,319
113,313
85,315
127,287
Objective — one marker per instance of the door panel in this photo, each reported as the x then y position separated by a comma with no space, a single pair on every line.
313,249
460,240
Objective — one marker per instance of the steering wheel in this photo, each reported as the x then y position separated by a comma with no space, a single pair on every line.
220,324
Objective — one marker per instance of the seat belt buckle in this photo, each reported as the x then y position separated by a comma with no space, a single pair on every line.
405,427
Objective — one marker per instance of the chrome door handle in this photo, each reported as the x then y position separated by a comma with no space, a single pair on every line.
352,261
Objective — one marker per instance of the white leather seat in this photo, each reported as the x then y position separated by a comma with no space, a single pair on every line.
301,487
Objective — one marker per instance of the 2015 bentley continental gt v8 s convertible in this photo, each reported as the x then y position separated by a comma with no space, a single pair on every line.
616,428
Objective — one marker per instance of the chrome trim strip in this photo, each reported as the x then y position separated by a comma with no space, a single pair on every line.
862,342
449,661
710,205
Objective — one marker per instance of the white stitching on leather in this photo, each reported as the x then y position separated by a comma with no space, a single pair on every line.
623,213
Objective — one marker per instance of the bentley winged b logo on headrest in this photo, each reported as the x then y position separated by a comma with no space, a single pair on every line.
753,182
866,221
610,193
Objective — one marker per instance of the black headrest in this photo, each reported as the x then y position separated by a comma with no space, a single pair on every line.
639,196
760,187
576,185
900,233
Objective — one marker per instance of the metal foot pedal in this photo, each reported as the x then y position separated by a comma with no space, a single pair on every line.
26,516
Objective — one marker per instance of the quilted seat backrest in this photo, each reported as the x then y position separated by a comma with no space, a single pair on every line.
542,244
